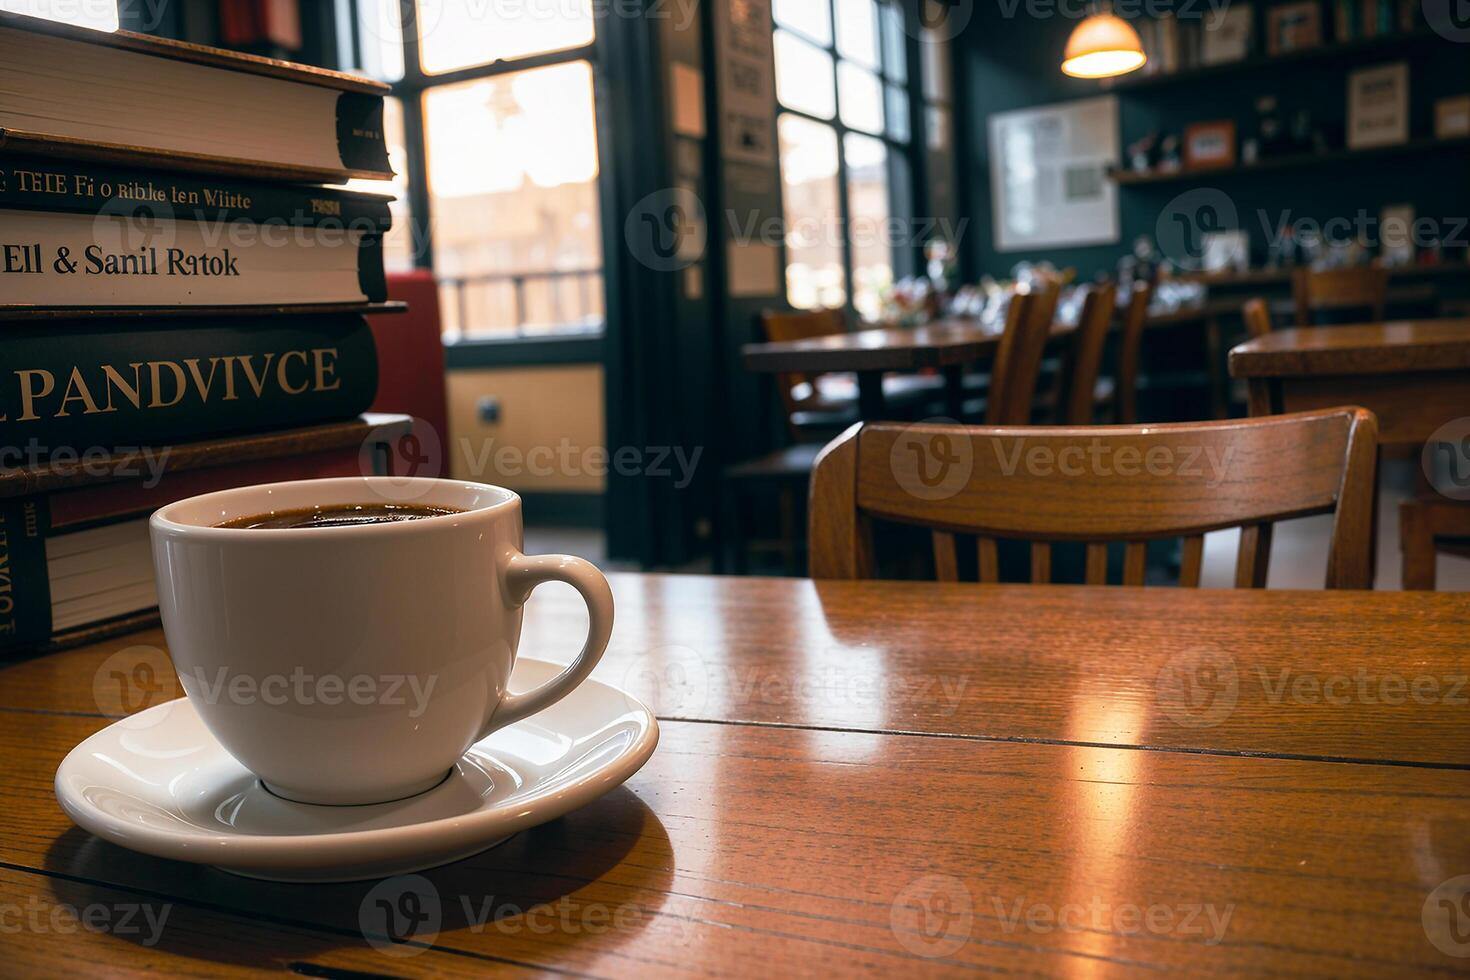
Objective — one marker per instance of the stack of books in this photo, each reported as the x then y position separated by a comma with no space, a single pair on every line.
181,300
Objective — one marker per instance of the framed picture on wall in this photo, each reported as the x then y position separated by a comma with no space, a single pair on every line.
1227,36
1293,26
1378,106
1209,144
1452,117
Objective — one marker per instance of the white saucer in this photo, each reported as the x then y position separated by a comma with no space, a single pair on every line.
159,783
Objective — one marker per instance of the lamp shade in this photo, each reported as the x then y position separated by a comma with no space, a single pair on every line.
1101,46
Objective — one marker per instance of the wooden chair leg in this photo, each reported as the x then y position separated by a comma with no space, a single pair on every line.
1416,538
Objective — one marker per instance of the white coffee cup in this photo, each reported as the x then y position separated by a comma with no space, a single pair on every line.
350,665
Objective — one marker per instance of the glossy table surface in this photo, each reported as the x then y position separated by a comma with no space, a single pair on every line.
1397,346
939,344
876,778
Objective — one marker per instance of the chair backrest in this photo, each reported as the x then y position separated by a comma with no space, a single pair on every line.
1130,343
1257,317
1084,359
780,326
1017,364
1355,287
1098,484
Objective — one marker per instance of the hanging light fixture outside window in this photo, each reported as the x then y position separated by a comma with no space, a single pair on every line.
1102,46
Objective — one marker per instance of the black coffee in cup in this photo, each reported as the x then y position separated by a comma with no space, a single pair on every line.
338,515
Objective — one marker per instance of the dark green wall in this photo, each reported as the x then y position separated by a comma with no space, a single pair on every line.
1009,63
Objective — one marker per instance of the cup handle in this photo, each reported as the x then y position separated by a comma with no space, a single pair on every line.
522,574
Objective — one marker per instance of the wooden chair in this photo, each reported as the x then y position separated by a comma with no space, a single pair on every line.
1081,390
1428,527
800,394
1099,484
1017,366
1130,345
1257,317
1335,290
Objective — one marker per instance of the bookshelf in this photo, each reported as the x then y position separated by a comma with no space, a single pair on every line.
1285,162
1326,52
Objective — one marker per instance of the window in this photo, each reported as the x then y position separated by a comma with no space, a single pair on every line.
506,176
844,127
938,90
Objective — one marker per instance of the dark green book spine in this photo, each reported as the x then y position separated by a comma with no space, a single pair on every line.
74,386
46,184
360,139
25,588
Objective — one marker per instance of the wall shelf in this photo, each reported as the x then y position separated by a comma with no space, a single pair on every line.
1330,51
1288,162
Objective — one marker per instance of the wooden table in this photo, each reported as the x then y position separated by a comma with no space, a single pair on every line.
1414,374
883,779
948,345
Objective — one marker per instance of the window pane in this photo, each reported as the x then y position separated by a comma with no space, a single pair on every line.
513,185
857,31
458,33
380,39
810,17
862,98
868,211
934,53
895,43
814,271
940,163
804,77
398,243
898,113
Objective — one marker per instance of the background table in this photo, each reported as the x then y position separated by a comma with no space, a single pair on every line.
1414,374
881,778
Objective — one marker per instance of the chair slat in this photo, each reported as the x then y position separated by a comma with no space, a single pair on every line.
946,564
989,560
1135,560
1097,563
1192,561
1254,557
1040,563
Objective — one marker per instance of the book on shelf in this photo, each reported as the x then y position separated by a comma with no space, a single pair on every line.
94,382
120,95
77,561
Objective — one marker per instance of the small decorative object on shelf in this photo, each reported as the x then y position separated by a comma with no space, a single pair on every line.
1395,227
1209,144
1293,26
1142,153
1169,154
1452,117
1227,35
1378,105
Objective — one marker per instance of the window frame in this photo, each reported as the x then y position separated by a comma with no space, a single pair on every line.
904,207
410,91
